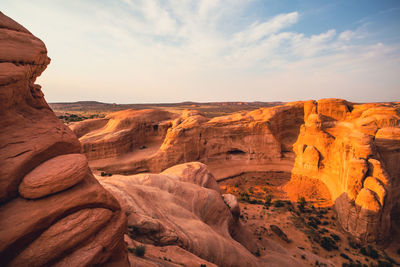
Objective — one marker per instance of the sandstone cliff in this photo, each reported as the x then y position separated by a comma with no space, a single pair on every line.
349,154
339,153
259,140
52,210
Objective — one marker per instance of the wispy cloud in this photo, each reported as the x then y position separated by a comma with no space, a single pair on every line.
157,51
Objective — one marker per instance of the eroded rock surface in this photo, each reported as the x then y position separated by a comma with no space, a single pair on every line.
259,140
52,210
164,211
353,151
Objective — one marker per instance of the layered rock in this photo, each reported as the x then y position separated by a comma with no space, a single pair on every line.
175,209
259,140
122,132
53,211
353,151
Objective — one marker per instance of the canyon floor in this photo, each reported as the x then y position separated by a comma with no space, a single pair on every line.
311,234
304,229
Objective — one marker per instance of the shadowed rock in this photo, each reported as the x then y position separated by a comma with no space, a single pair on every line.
53,211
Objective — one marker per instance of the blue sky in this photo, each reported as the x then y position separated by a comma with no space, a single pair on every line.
142,51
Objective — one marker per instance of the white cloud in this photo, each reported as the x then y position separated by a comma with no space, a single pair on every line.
257,31
157,51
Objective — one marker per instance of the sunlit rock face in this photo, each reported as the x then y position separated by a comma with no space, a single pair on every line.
153,140
53,211
182,207
353,152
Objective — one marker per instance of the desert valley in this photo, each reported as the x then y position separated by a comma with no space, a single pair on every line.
303,183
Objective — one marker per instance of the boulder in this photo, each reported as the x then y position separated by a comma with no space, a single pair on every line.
54,175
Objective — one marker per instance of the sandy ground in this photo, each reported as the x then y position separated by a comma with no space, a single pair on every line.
296,225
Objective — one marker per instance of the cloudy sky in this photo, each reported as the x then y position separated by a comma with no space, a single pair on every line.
147,51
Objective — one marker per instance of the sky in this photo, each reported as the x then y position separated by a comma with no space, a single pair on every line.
165,51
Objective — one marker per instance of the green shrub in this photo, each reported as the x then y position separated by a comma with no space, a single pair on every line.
369,251
301,203
268,200
384,264
344,256
328,243
140,251
353,243
335,237
278,203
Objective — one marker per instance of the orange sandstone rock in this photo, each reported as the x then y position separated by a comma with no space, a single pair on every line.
354,151
69,217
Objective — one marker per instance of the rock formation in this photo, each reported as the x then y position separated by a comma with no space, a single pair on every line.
52,210
345,155
350,154
181,207
259,140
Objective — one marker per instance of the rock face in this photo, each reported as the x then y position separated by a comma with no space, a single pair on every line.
121,132
169,210
52,210
259,140
349,154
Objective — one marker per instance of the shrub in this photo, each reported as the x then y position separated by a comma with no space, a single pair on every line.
344,256
384,264
251,191
278,203
203,265
265,189
353,244
140,251
328,243
370,252
268,200
301,203
253,201
335,237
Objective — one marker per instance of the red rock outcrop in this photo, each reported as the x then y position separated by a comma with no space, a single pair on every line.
349,154
179,207
259,140
52,210
122,132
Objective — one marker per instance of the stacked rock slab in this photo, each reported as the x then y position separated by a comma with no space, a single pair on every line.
259,140
52,210
350,153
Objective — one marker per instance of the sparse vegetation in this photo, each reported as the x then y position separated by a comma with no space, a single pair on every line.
251,191
328,243
105,174
369,251
67,118
301,203
278,203
138,251
268,201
